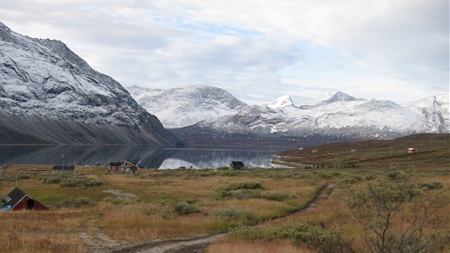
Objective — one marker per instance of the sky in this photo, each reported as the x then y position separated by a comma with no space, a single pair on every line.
258,50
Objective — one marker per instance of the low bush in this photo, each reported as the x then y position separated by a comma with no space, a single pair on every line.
230,173
96,182
185,209
14,177
276,196
431,185
241,190
230,214
163,212
244,185
51,180
122,202
299,233
243,194
396,175
79,202
71,180
248,190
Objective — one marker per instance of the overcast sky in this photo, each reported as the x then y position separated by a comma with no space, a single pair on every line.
258,50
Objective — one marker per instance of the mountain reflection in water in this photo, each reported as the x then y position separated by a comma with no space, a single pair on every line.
144,156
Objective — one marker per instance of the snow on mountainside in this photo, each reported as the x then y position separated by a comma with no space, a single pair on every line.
50,95
329,98
280,102
337,117
180,107
435,111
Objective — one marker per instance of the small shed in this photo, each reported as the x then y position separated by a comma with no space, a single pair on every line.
412,150
63,169
237,165
19,200
115,167
123,166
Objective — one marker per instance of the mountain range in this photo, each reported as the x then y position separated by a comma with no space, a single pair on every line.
332,118
185,106
49,95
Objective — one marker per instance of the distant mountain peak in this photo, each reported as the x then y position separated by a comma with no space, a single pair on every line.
280,102
329,98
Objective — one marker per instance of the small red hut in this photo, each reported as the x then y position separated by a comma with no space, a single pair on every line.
412,150
19,200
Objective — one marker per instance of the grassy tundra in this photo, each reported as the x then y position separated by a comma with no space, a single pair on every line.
384,200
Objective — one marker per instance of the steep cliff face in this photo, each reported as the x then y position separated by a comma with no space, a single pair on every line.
50,95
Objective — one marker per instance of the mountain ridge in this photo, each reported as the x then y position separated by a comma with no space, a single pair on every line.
331,120
49,95
184,106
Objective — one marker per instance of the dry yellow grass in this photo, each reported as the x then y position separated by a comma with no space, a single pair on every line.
153,216
259,246
45,231
333,214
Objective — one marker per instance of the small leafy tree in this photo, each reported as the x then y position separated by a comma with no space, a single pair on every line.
400,216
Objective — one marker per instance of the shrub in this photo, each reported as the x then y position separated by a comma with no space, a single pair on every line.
242,190
122,202
51,180
299,233
71,180
376,206
230,214
96,182
185,209
162,212
396,175
244,185
276,196
431,185
79,202
230,173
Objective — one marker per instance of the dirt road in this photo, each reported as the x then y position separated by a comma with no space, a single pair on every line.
100,243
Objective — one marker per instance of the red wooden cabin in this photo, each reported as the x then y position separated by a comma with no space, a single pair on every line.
19,200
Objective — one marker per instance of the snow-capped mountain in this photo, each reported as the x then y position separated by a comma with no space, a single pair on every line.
180,107
50,95
329,98
280,102
435,112
336,117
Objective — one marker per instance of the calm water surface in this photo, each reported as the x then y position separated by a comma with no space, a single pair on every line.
143,156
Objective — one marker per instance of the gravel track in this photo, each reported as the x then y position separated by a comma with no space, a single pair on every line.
99,242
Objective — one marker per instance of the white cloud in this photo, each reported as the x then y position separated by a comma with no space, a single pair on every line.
257,50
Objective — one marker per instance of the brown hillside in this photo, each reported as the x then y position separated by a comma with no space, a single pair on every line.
433,152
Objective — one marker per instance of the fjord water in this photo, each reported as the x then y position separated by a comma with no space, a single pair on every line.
144,156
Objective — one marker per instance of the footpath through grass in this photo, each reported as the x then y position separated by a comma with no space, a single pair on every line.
147,205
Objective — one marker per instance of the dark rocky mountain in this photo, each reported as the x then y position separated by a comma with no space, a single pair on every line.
49,95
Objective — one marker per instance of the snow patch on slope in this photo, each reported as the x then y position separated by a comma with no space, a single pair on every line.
280,102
